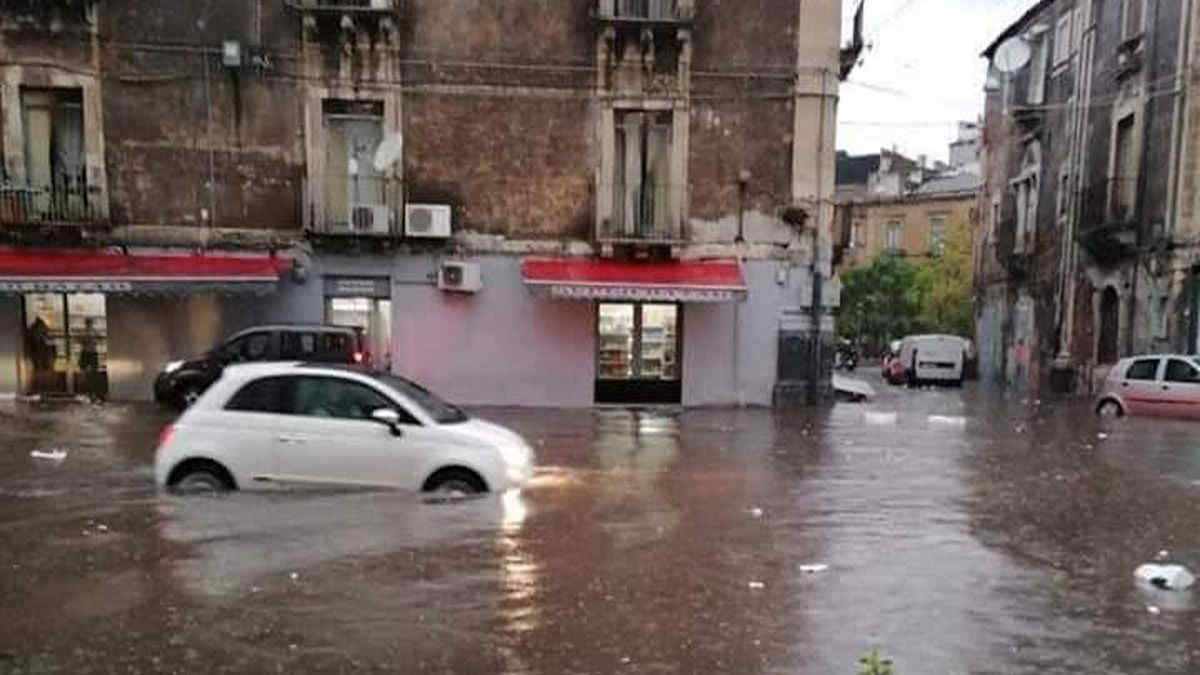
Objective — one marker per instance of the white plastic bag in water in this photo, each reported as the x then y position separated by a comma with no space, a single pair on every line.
1169,577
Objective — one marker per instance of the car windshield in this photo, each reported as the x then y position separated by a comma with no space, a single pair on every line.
441,411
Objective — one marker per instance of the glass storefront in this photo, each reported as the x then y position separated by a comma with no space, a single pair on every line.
66,343
373,316
637,357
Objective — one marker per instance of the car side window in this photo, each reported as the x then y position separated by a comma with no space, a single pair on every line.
300,346
1181,371
338,398
1142,369
265,395
257,345
334,345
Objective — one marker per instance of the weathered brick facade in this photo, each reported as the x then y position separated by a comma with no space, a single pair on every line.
501,107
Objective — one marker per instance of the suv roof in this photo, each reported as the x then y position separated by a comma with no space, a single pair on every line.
317,327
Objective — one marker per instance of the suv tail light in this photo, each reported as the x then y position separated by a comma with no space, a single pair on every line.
164,436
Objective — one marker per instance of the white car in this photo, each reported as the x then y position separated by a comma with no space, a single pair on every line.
279,423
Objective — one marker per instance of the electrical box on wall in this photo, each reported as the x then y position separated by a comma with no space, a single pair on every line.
430,221
462,277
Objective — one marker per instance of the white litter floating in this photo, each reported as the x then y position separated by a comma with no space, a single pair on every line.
55,455
1153,610
881,418
948,420
1168,577
814,569
757,585
756,512
1102,436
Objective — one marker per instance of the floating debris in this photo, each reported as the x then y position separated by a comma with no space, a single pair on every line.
1166,577
54,455
815,568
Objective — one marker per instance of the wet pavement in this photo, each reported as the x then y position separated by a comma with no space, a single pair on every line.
963,532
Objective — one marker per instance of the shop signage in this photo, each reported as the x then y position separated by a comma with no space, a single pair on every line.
65,286
358,287
644,293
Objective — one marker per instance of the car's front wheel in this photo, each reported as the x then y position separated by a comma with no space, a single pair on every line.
1110,408
200,478
455,483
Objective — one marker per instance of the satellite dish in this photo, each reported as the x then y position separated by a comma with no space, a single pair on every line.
389,152
1011,55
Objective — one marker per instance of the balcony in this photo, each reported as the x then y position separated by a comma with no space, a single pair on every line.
646,12
355,206
1108,225
68,201
46,11
642,216
347,6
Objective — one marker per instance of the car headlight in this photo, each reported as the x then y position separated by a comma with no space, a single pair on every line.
172,367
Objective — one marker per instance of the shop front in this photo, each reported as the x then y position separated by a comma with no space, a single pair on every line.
365,303
65,333
639,310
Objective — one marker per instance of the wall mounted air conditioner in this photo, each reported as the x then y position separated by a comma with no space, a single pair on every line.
370,218
427,220
458,276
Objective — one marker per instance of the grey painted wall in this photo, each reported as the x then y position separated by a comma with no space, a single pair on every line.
501,346
710,375
11,343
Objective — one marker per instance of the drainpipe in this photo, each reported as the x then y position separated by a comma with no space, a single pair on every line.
1141,211
1179,137
816,366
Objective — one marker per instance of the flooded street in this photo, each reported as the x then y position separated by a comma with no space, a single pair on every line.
963,532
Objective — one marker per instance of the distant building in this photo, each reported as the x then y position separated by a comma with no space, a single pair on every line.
1087,250
887,202
965,150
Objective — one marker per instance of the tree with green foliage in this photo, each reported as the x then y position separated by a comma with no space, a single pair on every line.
896,296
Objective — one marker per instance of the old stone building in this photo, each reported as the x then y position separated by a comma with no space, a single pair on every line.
521,202
1082,255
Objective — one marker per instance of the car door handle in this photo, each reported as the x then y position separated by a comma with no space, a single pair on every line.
289,439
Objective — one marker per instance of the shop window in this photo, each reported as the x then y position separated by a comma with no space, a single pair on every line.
638,349
373,316
66,343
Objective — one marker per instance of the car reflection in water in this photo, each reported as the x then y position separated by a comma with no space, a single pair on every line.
237,541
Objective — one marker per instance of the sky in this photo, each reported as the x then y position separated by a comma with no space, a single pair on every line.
920,74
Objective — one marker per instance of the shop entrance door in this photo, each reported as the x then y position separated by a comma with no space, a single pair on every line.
374,317
66,343
638,353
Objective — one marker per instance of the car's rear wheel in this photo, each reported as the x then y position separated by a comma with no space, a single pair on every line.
200,477
1110,408
452,483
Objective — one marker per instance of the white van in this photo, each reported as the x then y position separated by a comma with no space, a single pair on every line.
933,359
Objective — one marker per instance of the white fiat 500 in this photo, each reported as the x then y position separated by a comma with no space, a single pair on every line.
279,423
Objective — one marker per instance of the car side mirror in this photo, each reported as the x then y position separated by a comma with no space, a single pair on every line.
389,417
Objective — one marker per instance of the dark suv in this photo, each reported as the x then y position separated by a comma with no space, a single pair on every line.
180,383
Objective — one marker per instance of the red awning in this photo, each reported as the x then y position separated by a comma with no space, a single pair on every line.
34,270
672,281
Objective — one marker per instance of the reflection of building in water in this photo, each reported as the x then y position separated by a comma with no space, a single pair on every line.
636,449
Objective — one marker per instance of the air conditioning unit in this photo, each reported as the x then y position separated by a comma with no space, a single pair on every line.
458,276
427,220
370,218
